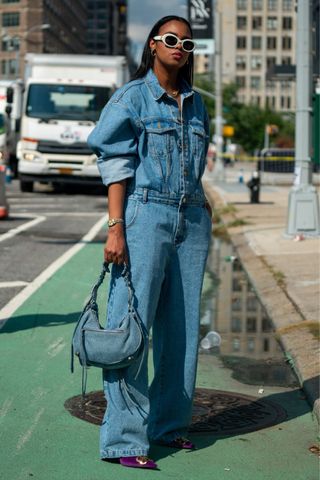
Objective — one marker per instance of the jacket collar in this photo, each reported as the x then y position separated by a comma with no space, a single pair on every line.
157,91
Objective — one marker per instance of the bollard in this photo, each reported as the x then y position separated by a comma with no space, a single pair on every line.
4,207
254,187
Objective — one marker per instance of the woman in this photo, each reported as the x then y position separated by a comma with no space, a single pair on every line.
151,142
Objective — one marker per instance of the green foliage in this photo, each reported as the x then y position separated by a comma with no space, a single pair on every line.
249,121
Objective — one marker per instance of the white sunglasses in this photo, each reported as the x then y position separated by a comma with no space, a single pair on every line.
172,41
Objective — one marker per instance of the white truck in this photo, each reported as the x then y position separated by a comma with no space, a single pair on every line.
11,93
64,95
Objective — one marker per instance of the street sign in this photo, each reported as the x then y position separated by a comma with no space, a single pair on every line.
201,20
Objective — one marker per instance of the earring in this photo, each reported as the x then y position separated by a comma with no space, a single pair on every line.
153,52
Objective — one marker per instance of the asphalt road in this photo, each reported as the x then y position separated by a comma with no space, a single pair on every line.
41,227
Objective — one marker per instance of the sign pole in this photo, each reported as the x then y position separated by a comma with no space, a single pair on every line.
218,172
303,208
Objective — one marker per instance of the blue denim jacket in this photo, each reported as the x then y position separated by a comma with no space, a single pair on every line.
143,137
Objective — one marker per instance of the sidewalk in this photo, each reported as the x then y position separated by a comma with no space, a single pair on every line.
285,273
41,440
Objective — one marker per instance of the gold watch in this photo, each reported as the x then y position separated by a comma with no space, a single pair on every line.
114,221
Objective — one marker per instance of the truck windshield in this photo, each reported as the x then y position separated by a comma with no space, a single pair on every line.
66,102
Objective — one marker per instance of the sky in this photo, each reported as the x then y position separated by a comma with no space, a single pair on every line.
143,14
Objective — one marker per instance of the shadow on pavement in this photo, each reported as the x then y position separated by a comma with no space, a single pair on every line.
25,322
293,402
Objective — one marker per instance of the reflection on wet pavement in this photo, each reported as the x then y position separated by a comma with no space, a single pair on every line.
231,308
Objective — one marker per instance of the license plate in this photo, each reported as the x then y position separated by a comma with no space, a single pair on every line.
65,171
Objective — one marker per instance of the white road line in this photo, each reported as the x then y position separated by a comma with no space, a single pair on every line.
64,214
13,284
7,311
15,231
32,205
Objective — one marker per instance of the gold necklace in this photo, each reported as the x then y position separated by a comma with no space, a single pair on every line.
174,93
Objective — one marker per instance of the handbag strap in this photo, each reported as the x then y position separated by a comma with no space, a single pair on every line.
126,276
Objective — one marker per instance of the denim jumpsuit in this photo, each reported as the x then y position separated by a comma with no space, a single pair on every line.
143,137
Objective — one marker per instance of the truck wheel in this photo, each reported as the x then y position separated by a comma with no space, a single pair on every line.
26,186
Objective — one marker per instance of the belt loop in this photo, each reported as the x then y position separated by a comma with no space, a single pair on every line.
145,195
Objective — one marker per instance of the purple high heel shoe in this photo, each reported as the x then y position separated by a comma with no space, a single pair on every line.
138,462
181,443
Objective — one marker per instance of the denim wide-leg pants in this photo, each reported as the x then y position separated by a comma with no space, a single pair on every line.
168,246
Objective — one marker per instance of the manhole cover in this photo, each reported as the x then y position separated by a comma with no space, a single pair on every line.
215,411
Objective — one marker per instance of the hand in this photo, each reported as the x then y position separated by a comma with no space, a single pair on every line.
115,250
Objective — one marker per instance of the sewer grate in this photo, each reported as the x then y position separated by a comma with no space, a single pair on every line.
215,412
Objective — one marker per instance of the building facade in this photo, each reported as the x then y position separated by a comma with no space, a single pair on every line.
256,36
107,27
41,26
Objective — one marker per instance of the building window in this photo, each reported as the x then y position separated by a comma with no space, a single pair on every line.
266,345
9,67
256,43
236,325
272,23
287,23
11,45
241,62
287,5
271,61
255,82
256,100
251,324
250,345
241,42
236,302
272,4
286,61
241,23
242,4
270,102
285,102
236,285
256,23
286,43
271,84
11,19
252,301
257,4
271,43
285,85
266,325
236,345
256,62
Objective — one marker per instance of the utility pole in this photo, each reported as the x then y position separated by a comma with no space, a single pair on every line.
303,208
218,172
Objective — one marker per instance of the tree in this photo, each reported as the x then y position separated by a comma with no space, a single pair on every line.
249,121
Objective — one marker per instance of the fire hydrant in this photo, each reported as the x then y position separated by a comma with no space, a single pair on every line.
254,187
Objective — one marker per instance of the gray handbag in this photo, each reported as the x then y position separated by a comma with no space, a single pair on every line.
111,349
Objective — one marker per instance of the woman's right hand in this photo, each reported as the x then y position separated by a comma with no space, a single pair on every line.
115,250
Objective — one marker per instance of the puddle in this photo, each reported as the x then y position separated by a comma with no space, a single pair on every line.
231,308
248,352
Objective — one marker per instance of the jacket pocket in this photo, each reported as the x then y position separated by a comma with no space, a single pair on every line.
161,137
198,139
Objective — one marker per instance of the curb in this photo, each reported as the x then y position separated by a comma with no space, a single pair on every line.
301,349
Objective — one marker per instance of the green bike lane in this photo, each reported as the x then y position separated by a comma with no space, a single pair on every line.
40,439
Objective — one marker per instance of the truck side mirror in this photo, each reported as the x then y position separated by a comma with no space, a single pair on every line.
9,95
8,110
